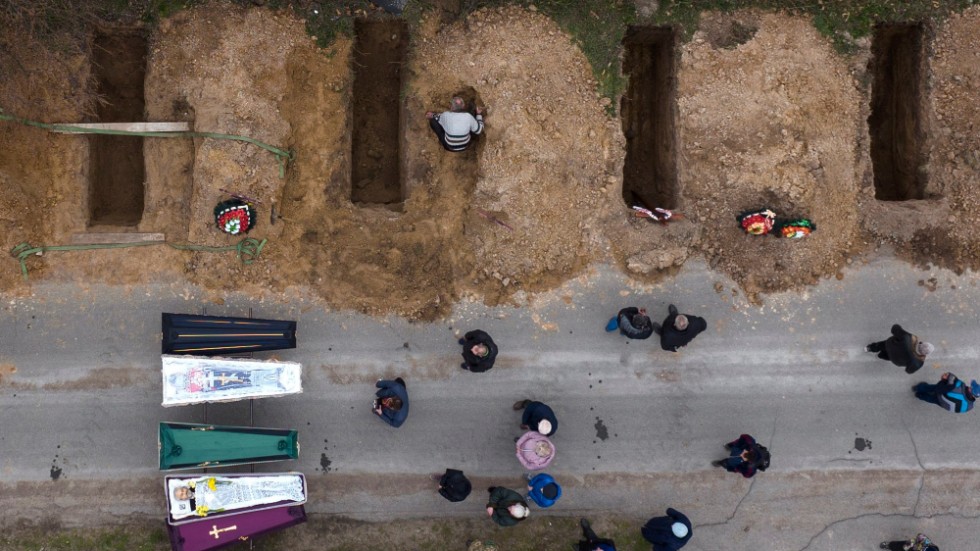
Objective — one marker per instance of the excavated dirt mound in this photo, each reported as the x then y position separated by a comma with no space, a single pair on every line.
542,166
766,115
769,122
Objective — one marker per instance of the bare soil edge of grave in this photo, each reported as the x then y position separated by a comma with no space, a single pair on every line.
767,115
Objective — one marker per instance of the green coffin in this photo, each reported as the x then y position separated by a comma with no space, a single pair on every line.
191,446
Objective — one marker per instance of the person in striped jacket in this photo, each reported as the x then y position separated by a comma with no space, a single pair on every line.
950,393
456,128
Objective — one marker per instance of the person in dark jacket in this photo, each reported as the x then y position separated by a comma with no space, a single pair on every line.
678,329
479,351
454,486
391,402
921,542
632,322
668,533
746,456
903,349
592,542
506,507
542,489
537,416
949,393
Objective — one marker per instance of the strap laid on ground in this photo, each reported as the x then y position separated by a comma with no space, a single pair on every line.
282,156
248,249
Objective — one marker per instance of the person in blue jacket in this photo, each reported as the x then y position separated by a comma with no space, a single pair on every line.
543,490
391,402
949,393
668,533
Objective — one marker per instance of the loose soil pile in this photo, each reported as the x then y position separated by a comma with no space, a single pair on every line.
767,115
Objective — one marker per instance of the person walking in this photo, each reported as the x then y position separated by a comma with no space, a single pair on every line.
632,322
456,128
454,486
506,507
479,351
746,456
535,451
903,349
391,401
919,543
668,533
678,329
950,393
542,489
537,416
592,542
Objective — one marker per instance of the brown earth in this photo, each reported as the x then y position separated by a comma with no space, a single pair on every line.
767,114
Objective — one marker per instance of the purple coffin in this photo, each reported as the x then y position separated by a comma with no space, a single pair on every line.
230,529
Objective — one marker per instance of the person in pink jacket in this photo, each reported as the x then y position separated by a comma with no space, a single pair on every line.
535,451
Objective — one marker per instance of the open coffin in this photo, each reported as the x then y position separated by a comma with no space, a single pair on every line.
190,445
218,533
194,380
195,498
212,335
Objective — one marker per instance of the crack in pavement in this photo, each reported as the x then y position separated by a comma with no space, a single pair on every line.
886,515
915,508
922,477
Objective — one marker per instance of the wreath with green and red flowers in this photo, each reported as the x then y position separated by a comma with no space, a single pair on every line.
234,216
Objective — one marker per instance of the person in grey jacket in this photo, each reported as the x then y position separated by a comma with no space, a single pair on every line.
632,322
456,128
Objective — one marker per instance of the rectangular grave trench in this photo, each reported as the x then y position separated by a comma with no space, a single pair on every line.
116,168
380,48
896,122
648,117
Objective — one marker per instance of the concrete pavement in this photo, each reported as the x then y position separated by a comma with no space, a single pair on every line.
856,458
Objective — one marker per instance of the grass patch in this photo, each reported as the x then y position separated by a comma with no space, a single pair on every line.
141,537
598,27
337,534
843,21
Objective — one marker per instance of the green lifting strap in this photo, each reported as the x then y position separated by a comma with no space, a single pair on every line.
248,249
282,156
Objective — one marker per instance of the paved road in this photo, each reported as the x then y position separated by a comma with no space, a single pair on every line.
855,457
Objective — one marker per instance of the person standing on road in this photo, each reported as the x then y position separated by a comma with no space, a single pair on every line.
542,489
678,329
456,128
950,393
479,351
453,485
746,456
632,322
668,533
391,401
537,416
592,542
535,451
919,543
506,507
903,349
